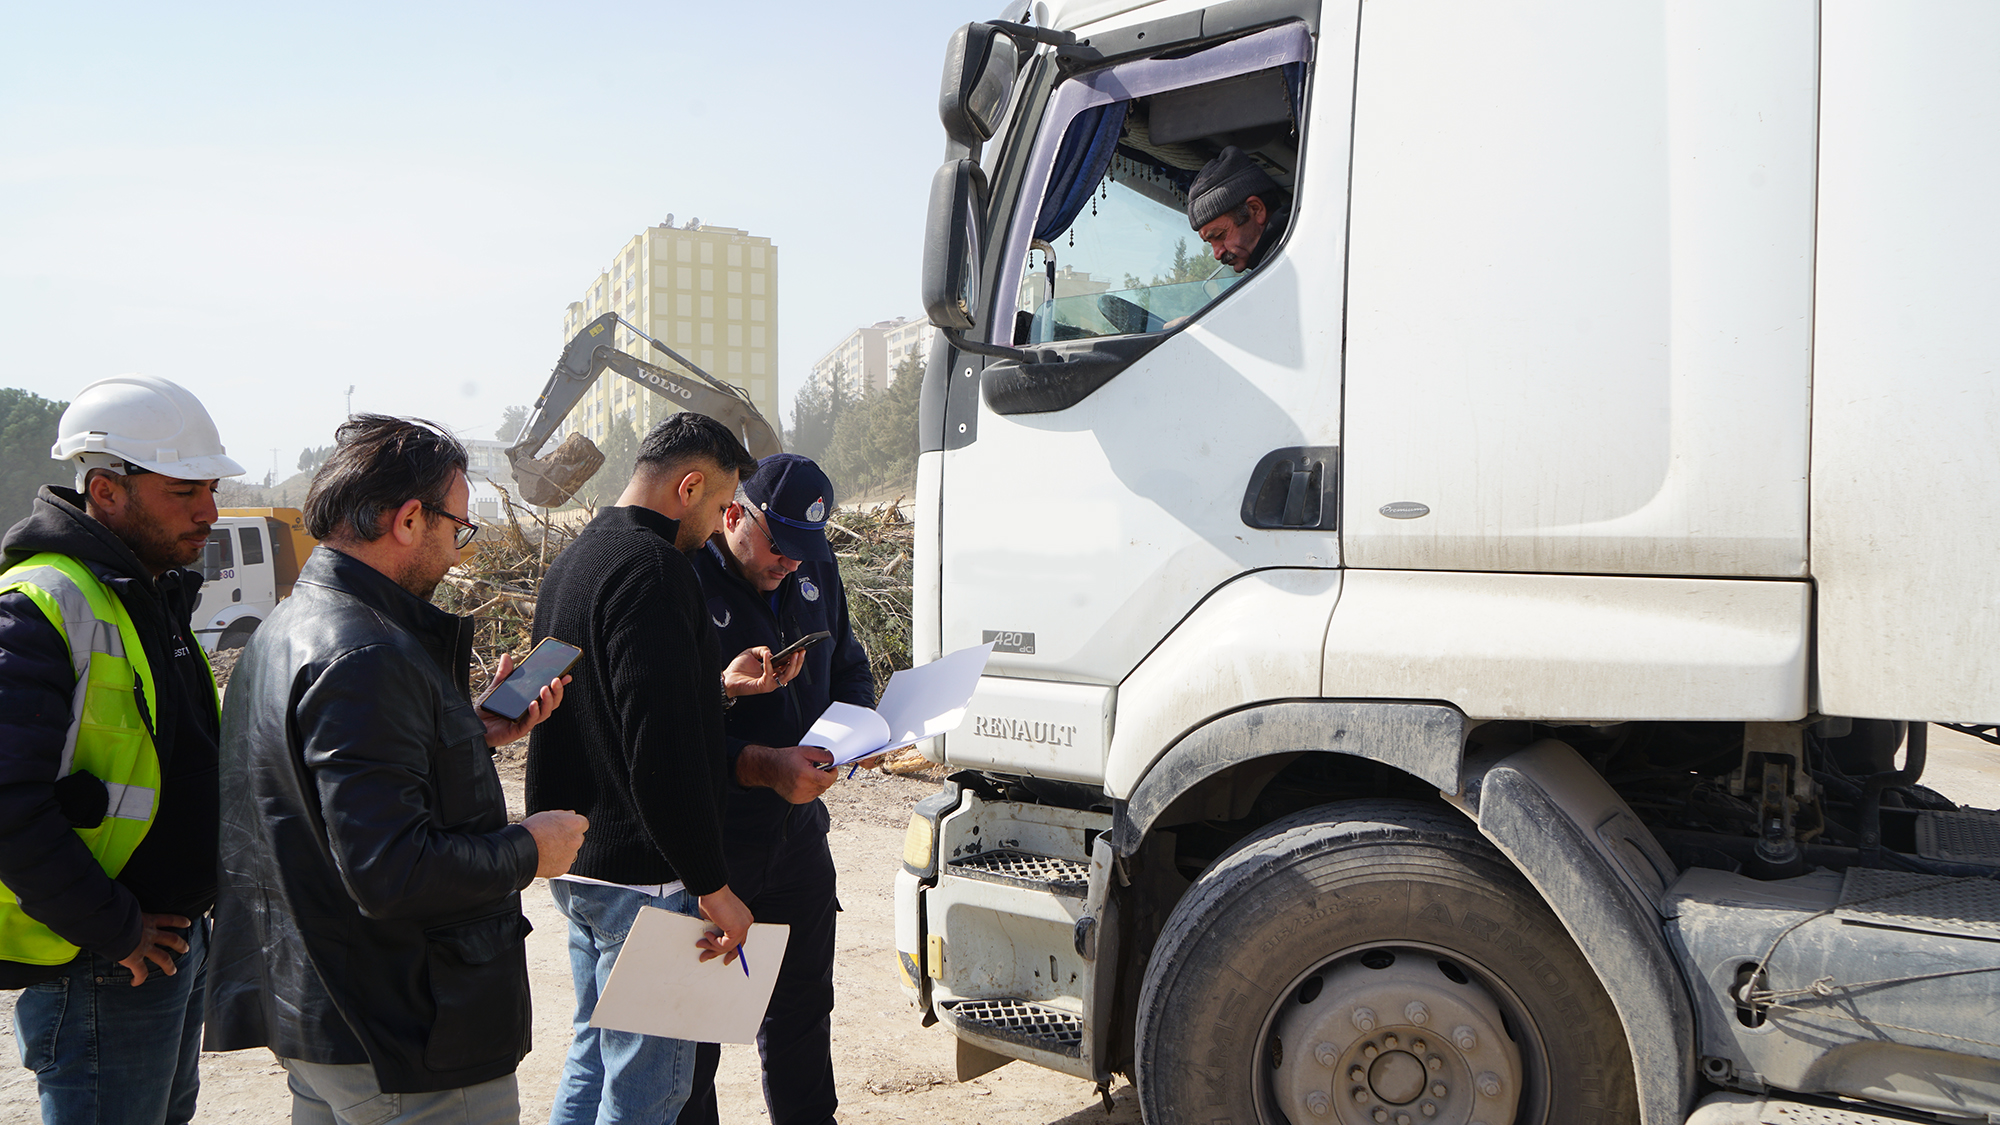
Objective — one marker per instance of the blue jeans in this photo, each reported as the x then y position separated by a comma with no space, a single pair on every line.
106,1053
611,1077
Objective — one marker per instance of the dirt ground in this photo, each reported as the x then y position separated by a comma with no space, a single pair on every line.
889,1067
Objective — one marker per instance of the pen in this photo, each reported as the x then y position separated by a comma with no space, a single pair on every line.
743,960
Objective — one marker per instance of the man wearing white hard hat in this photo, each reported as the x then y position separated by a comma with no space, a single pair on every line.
109,722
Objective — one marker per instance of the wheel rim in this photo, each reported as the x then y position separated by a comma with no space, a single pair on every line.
1400,1034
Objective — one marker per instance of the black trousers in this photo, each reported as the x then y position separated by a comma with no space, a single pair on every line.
786,876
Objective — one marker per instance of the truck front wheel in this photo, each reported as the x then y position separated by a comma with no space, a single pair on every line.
1370,962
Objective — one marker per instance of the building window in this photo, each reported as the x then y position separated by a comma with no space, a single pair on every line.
736,363
708,253
756,309
757,363
757,388
708,333
757,337
707,361
735,254
683,332
735,335
757,257
736,308
681,250
683,305
757,284
735,280
684,277
707,307
707,280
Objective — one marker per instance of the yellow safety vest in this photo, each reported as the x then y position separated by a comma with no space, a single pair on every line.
110,728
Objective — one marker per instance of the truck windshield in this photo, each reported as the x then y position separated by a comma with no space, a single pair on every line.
1101,240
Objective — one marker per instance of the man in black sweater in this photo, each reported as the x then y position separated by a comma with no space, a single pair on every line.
638,747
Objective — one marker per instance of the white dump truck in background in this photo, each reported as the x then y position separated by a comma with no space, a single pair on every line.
1475,666
252,558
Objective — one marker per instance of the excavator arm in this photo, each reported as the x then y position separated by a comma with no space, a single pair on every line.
552,480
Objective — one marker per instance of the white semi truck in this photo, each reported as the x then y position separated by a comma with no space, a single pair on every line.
1475,666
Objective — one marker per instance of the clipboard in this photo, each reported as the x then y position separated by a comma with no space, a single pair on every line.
660,985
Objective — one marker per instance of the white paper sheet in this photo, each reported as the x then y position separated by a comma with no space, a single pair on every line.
918,703
660,985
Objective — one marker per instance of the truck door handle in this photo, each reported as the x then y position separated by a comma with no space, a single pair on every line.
1293,489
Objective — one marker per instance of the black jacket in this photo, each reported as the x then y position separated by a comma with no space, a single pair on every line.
637,744
810,600
41,859
369,909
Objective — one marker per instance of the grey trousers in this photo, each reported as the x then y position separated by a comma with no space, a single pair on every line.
348,1095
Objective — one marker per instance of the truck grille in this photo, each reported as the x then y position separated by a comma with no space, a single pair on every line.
1061,876
1021,1022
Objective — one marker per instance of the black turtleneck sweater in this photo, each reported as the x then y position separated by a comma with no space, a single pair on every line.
637,745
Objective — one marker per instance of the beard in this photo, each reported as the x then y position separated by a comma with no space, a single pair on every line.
421,575
157,548
688,538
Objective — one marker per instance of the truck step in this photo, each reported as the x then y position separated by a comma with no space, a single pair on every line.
1026,869
1962,836
1022,1022
1931,903
1744,1109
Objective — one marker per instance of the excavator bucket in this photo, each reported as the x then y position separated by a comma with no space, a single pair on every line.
547,482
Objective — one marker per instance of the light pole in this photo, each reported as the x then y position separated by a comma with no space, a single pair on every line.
350,400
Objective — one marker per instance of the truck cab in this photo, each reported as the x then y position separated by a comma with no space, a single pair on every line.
249,563
1476,664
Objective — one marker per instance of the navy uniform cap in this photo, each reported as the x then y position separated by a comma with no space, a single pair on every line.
793,498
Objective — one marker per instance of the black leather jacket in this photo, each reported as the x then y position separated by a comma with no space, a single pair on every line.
369,906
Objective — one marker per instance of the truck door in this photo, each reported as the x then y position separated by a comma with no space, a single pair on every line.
255,581
1185,433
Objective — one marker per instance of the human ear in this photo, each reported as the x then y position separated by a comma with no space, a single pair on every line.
403,524
690,489
1257,210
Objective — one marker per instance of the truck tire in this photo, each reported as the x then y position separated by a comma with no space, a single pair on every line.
236,636
1367,962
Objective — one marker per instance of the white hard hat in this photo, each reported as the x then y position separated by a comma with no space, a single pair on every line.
141,420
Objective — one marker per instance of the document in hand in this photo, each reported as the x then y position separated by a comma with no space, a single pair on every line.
661,986
918,703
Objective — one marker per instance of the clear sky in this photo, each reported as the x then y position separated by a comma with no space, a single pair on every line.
267,203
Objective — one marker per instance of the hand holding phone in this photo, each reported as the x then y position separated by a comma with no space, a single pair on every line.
800,645
512,697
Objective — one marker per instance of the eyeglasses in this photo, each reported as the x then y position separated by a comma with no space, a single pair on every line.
466,528
767,534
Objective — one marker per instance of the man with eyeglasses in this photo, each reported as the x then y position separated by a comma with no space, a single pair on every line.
368,923
770,578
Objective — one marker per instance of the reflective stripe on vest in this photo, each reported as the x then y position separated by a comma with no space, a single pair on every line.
110,731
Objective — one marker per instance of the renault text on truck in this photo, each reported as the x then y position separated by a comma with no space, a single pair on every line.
1475,666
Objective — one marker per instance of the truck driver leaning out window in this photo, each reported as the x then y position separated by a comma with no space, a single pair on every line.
1238,209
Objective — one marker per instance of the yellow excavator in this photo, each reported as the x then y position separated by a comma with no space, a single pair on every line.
551,480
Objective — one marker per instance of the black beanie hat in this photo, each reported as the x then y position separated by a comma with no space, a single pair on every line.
1223,184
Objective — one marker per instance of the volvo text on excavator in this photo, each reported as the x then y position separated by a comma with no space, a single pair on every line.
552,480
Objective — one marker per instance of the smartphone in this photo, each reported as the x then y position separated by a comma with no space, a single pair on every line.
800,645
517,692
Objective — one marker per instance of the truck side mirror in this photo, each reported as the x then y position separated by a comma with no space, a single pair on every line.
953,237
979,67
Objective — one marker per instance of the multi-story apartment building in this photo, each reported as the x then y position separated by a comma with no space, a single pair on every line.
708,292
867,356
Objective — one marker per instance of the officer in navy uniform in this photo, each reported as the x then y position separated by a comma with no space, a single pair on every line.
770,578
